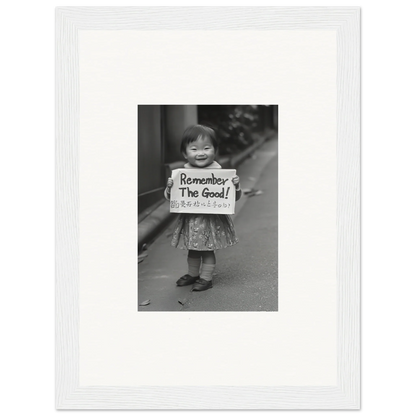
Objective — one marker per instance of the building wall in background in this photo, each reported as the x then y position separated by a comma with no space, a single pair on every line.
160,131
177,119
150,158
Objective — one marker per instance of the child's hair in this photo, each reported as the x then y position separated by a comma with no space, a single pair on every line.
192,133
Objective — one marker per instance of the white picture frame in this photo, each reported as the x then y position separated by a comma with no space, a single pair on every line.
87,178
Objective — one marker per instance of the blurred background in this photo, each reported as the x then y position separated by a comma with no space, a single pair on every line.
160,129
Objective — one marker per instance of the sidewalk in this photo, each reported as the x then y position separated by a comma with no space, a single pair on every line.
246,274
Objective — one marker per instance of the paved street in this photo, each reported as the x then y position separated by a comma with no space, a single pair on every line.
245,278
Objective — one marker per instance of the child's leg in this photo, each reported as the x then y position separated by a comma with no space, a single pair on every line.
208,265
207,270
194,262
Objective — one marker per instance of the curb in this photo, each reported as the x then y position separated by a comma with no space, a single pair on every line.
155,222
160,218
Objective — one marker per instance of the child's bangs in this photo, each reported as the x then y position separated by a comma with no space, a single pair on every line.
193,133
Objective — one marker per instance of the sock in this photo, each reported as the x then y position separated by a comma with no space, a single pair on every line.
207,271
193,266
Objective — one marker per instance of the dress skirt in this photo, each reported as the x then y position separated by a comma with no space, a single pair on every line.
204,232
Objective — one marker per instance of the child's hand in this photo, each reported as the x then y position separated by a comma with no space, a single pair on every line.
170,183
236,181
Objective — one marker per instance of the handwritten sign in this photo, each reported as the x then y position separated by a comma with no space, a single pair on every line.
202,191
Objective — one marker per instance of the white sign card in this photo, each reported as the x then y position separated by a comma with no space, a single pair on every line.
203,191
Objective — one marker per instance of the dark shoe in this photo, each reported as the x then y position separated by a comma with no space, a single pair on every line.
202,284
187,280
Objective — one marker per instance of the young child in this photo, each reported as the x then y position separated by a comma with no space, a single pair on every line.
201,234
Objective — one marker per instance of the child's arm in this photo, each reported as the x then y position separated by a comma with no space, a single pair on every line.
167,189
236,182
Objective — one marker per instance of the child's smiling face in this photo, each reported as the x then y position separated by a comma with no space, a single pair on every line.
200,153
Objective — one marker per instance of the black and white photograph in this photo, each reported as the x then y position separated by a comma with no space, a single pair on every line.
204,173
206,254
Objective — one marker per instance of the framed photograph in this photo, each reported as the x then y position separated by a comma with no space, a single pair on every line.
167,303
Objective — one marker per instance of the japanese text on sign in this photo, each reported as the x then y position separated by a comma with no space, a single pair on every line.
203,191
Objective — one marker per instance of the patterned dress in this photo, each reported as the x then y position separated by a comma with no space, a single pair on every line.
204,232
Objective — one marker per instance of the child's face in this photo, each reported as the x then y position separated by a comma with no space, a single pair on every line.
200,153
